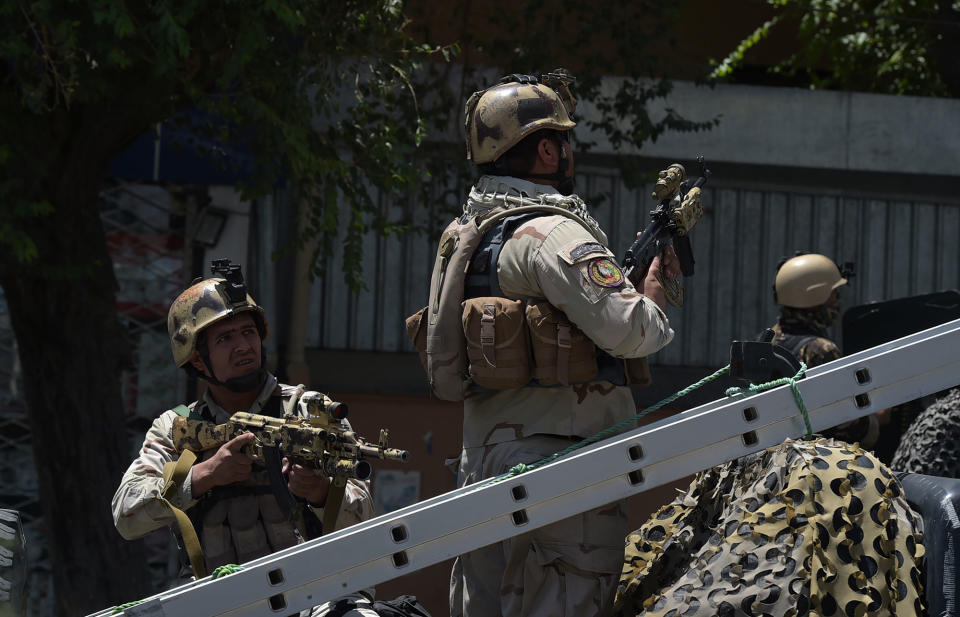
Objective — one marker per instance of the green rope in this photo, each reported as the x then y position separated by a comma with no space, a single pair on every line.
520,468
756,388
225,570
119,609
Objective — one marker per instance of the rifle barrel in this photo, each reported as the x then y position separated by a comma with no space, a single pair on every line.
389,454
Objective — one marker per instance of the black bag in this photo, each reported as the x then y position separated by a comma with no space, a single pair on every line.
401,606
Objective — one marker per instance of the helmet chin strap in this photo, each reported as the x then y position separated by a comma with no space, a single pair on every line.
243,384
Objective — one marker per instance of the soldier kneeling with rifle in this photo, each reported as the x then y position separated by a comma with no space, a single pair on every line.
243,485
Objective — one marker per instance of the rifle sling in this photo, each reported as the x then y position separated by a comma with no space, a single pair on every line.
289,504
174,475
331,507
278,483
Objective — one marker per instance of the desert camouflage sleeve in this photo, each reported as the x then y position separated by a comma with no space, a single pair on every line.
137,507
818,351
580,276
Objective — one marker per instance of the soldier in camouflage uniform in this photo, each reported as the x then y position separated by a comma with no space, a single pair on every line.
228,496
807,289
554,258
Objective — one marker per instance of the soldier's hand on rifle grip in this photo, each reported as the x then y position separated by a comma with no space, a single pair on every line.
230,464
669,263
652,287
666,265
306,483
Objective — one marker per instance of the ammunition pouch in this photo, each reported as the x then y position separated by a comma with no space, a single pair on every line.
498,345
417,333
562,353
509,346
504,343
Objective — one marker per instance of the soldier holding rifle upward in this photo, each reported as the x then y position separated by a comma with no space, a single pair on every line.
534,325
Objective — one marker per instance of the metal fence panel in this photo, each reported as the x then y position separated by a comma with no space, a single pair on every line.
900,248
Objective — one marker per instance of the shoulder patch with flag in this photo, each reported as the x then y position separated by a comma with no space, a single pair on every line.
604,272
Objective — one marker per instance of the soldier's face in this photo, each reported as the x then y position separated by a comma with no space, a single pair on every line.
234,346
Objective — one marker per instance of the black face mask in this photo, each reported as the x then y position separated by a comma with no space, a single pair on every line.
816,319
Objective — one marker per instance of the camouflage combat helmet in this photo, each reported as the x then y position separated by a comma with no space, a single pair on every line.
496,119
207,302
807,280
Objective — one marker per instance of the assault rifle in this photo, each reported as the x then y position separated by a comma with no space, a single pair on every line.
673,218
320,441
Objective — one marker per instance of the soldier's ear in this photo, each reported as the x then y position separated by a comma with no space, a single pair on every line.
548,153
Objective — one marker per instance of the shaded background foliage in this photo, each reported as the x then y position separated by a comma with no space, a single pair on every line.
884,46
634,41
318,92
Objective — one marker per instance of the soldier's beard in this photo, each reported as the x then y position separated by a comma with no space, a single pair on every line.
567,186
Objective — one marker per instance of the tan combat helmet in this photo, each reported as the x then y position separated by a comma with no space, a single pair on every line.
207,302
806,281
496,119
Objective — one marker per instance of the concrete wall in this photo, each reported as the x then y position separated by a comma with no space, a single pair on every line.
793,127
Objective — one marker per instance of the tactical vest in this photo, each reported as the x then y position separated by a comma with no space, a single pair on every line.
470,337
239,523
794,342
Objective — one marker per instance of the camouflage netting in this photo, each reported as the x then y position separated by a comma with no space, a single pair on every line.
932,443
804,528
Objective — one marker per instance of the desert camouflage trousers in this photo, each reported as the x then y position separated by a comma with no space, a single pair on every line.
568,568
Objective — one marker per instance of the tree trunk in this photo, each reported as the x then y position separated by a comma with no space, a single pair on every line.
72,348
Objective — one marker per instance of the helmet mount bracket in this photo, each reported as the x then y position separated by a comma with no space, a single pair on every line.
235,288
